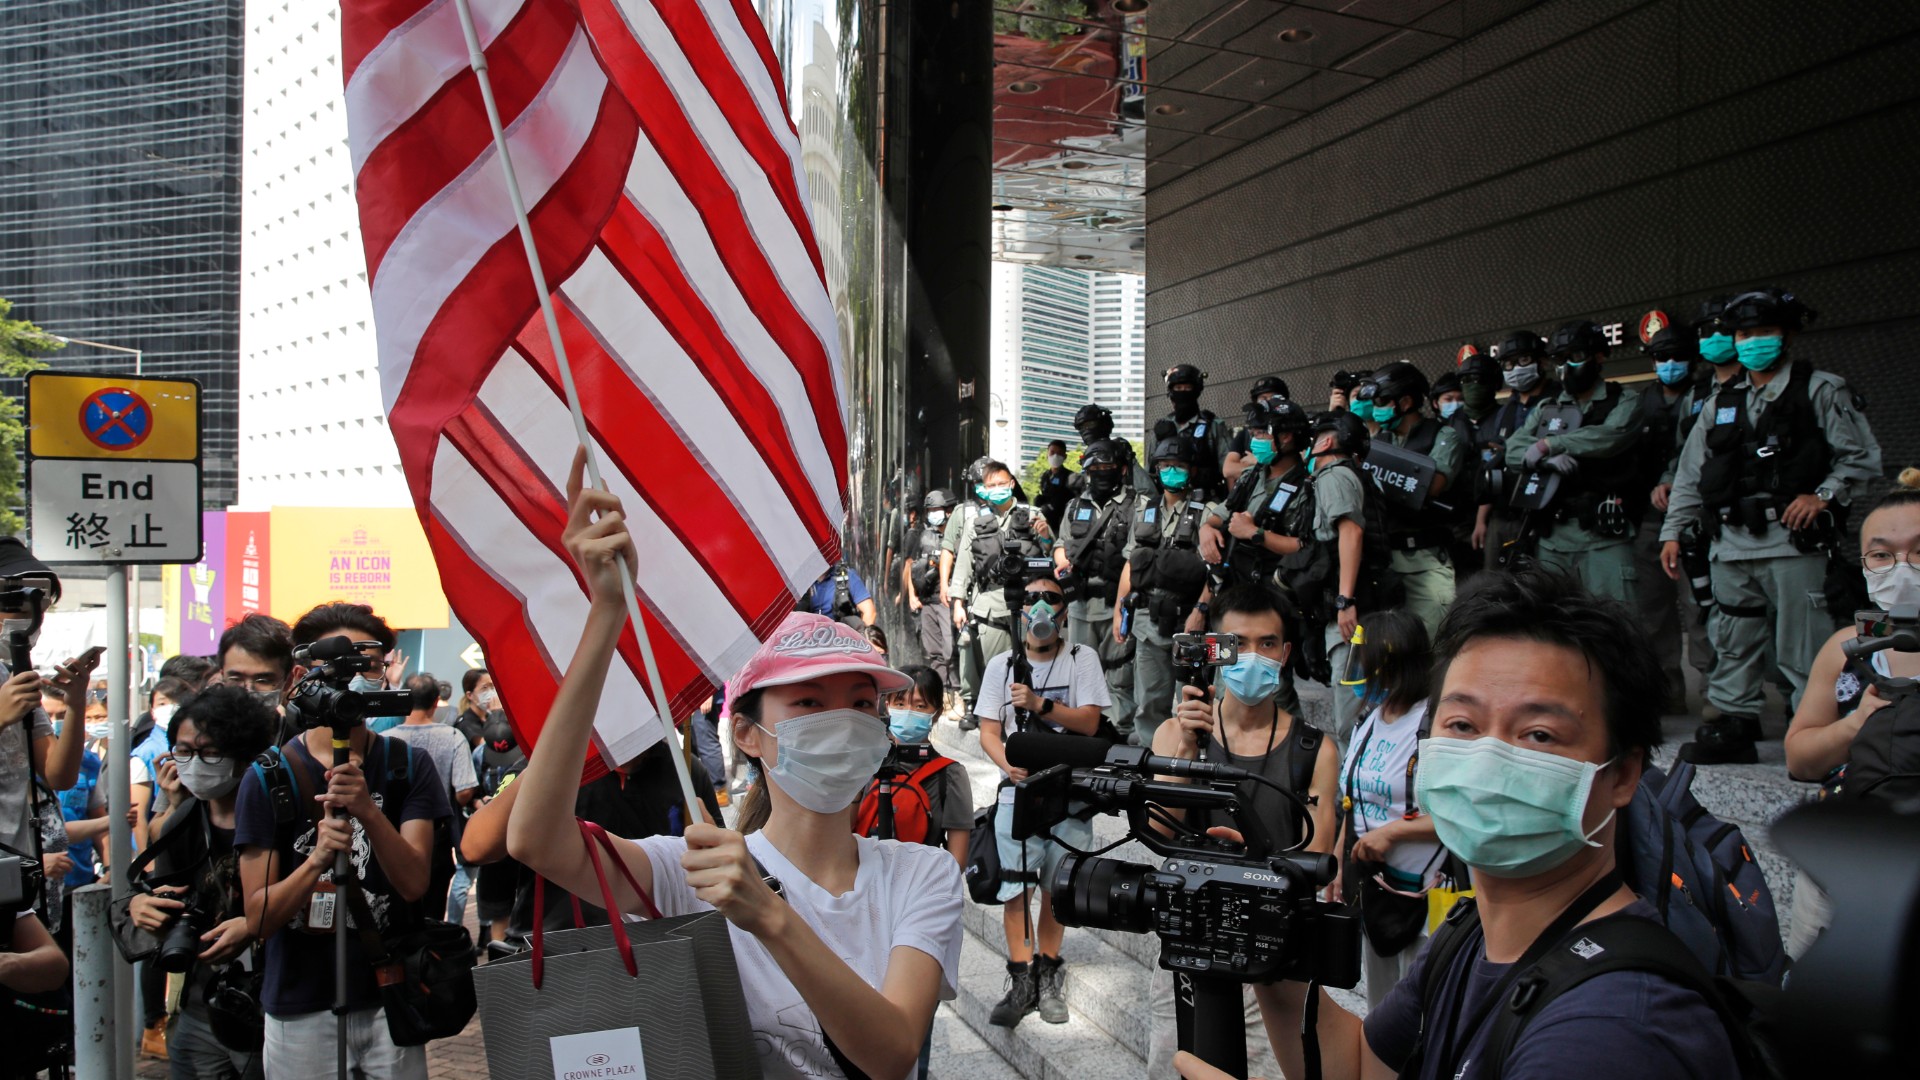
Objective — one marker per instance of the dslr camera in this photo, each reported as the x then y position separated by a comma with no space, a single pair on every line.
323,696
180,943
1224,911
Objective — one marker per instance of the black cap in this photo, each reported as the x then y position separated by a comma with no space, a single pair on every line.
1578,336
1478,367
1670,343
1706,318
501,747
17,562
1769,306
1102,453
1269,384
1395,381
1447,383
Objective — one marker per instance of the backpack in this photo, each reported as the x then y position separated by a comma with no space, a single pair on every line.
912,807
1883,763
1700,875
275,777
983,856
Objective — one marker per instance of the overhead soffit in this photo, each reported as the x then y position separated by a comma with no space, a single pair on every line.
1096,100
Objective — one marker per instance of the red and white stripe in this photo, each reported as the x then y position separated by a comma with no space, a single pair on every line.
662,178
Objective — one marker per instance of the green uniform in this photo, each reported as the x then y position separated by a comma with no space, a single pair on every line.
1765,588
1603,564
1337,494
986,601
969,660
1090,619
1153,649
1426,571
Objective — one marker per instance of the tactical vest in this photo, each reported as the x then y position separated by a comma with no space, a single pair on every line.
1375,590
1169,575
1661,418
1430,526
1096,536
1285,509
995,538
924,564
1614,475
1204,473
1783,455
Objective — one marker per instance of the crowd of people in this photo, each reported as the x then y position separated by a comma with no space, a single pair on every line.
1496,574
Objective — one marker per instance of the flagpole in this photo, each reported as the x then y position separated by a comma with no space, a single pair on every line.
477,59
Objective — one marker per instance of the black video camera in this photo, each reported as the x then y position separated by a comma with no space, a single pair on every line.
323,697
903,759
23,882
1196,655
1015,571
1225,911
1345,381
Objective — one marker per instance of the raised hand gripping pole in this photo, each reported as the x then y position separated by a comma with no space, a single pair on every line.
477,60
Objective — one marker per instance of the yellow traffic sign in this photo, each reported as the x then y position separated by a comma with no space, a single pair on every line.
115,417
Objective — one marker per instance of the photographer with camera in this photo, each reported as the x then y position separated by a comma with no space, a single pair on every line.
1830,729
1246,727
1052,687
188,892
380,808
991,554
1546,706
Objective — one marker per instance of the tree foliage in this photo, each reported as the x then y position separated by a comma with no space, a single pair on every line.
21,342
1030,475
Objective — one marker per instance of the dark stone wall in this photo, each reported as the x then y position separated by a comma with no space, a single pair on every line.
1582,159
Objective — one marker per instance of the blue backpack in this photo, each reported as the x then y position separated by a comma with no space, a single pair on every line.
1699,874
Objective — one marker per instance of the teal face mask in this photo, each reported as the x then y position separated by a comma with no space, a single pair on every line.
1382,414
909,726
1759,354
1508,811
998,496
1262,450
1716,348
1173,477
1252,678
1448,408
1672,372
1359,408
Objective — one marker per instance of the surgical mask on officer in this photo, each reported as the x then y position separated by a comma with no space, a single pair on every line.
1173,477
1262,449
1671,372
1521,378
1449,405
1383,415
1717,348
936,517
1580,375
1056,461
1759,353
997,494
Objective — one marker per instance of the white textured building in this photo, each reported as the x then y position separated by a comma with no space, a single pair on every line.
312,427
1063,338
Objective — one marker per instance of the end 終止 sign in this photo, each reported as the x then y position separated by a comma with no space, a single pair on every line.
113,468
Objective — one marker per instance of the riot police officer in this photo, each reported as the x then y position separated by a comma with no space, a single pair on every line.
959,527
1580,473
1350,526
1675,353
1095,422
1163,588
1089,556
1464,399
920,584
1421,537
992,552
1264,531
1184,385
1521,356
1057,485
1266,389
1770,469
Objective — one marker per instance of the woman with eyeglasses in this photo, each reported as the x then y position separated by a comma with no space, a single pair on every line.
1389,851
1840,694
191,867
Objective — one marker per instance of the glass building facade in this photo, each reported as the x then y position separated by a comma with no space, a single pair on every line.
120,191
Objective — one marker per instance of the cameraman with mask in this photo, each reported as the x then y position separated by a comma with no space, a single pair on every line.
1546,709
1050,687
383,814
190,864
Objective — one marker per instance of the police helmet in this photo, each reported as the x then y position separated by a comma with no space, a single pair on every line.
1093,421
1283,417
1350,435
1103,453
909,490
1477,368
1186,373
1447,383
1175,448
1269,384
977,471
1519,345
1395,381
1767,306
1670,343
1579,336
941,499
1706,318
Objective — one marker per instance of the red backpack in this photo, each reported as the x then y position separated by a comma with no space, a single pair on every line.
912,808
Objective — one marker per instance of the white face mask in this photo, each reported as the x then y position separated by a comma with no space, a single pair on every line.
99,729
486,698
1901,585
1055,461
208,782
823,759
163,714
936,517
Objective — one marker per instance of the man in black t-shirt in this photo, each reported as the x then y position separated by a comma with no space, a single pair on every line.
1547,707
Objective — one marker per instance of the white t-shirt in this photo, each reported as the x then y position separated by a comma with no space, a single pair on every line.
1375,775
1072,678
903,894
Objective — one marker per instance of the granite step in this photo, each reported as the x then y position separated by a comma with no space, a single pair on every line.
1076,1050
1109,987
959,1054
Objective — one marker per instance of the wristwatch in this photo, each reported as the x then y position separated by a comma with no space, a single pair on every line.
1342,603
1825,494
1259,537
1201,607
1046,706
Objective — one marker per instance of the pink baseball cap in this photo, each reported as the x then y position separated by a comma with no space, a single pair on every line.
807,646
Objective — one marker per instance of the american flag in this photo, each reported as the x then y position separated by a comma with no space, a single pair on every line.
662,178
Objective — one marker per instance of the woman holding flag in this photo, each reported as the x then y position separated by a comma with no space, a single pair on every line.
810,707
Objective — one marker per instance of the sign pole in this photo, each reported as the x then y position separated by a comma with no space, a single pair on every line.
119,833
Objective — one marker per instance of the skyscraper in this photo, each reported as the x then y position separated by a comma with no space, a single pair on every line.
1119,365
1062,338
120,168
